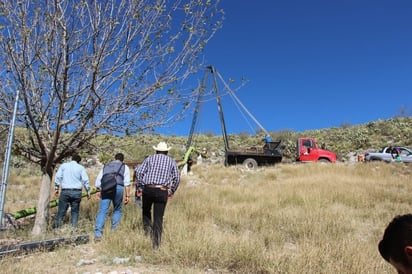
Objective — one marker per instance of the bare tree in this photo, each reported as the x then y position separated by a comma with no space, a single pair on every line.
85,67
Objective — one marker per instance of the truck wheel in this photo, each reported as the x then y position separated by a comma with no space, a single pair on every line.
323,161
250,163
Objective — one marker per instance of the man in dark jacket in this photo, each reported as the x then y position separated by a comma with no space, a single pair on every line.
116,198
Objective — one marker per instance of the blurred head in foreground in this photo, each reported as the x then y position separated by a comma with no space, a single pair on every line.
396,244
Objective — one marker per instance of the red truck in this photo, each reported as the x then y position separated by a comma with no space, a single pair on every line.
308,151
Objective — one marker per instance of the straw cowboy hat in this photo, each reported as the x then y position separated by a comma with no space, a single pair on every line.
162,146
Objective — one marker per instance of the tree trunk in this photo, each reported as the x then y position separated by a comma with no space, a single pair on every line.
42,212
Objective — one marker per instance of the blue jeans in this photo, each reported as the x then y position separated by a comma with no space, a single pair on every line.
68,198
117,200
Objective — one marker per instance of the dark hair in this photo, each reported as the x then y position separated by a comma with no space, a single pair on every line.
397,235
77,158
119,156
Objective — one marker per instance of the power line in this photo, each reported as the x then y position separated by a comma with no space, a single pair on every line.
241,104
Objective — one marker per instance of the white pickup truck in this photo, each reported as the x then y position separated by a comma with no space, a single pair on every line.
390,154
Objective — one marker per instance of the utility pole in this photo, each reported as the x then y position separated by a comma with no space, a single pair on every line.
7,155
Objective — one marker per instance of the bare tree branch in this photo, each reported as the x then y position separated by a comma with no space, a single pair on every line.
86,67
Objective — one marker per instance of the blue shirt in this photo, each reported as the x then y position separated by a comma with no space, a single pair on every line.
159,169
72,175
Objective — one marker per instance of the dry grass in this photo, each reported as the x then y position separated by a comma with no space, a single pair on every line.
308,218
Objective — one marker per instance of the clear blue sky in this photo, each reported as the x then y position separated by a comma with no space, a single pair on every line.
311,64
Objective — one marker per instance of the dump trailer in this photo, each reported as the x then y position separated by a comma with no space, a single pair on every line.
269,154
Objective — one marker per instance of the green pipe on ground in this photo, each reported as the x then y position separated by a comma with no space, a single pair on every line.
32,210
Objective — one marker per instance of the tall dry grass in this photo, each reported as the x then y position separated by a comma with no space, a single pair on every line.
309,218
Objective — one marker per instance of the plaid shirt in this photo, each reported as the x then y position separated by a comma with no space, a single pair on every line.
159,169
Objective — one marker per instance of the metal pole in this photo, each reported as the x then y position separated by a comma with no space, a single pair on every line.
7,154
220,109
196,111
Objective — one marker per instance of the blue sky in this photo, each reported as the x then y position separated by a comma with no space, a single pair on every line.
311,64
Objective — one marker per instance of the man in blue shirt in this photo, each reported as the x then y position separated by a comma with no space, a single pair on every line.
160,177
72,177
267,138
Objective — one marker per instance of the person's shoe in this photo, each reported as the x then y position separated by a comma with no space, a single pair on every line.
97,239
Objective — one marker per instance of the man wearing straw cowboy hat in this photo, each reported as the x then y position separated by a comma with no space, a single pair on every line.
160,177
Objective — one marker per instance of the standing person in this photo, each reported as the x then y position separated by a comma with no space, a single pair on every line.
396,244
72,177
159,175
138,189
267,139
396,154
123,186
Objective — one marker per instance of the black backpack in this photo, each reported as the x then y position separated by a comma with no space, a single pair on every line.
109,182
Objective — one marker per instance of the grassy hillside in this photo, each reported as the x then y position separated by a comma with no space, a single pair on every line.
346,140
281,219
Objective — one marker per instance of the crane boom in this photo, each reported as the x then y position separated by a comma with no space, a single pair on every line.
196,111
269,154
202,88
220,109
